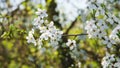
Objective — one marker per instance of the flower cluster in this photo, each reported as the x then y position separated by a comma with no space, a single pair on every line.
101,19
48,32
101,22
111,61
71,44
97,29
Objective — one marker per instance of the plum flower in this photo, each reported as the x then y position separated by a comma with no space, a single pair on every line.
109,42
71,44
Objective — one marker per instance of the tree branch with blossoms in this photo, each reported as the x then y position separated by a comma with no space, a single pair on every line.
97,27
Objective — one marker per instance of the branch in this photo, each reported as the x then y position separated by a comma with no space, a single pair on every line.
73,23
74,34
51,12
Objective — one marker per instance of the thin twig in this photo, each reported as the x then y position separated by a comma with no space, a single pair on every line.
74,34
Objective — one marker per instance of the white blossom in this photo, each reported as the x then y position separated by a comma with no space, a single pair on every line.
100,34
30,38
102,25
71,44
116,19
79,64
47,31
91,28
41,13
110,61
98,25
110,20
114,33
109,42
117,64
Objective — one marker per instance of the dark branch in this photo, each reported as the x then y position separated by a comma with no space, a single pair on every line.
74,34
73,23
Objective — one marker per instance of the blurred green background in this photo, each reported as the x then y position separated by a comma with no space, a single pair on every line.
15,52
